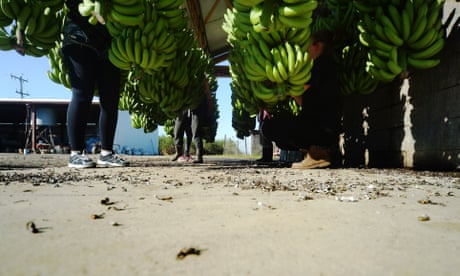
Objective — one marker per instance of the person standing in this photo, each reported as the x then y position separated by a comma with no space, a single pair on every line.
315,131
85,50
198,118
183,124
190,122
267,145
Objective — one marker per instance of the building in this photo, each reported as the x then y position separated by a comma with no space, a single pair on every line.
39,125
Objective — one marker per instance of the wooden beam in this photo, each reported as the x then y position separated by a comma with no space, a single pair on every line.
213,8
198,25
222,71
229,4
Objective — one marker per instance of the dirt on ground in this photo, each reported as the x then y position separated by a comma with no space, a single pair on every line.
224,217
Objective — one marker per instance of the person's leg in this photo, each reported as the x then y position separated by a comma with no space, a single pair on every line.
189,137
178,136
80,66
81,69
197,137
108,84
267,149
282,131
109,94
319,148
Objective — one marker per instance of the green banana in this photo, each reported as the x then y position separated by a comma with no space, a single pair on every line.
168,4
386,22
377,61
135,9
396,19
379,44
394,67
410,10
128,20
364,39
418,32
380,33
430,51
290,57
269,71
425,41
422,63
364,8
278,62
297,9
393,37
405,25
296,22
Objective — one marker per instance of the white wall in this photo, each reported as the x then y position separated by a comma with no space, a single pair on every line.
129,140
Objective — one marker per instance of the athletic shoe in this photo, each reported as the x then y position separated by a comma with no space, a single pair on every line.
81,161
184,158
112,160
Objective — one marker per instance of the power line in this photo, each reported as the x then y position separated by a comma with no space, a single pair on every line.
21,85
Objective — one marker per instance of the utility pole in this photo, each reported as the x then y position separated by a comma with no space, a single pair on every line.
21,85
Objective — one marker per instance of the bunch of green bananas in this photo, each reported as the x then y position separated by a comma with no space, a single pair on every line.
269,60
161,73
353,77
273,14
243,122
172,11
143,115
160,78
369,6
237,23
339,17
142,120
400,35
57,72
152,45
126,12
34,27
150,48
175,88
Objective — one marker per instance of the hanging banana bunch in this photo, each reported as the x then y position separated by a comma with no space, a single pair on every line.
57,72
34,27
243,122
268,60
125,12
147,47
353,77
143,115
400,35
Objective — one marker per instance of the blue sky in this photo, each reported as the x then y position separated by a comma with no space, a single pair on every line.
39,86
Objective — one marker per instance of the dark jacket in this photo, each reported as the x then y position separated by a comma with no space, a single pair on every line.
78,30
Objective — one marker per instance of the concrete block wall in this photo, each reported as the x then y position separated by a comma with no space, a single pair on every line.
411,123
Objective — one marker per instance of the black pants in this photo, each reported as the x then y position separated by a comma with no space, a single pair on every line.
183,125
197,130
295,133
190,124
89,70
